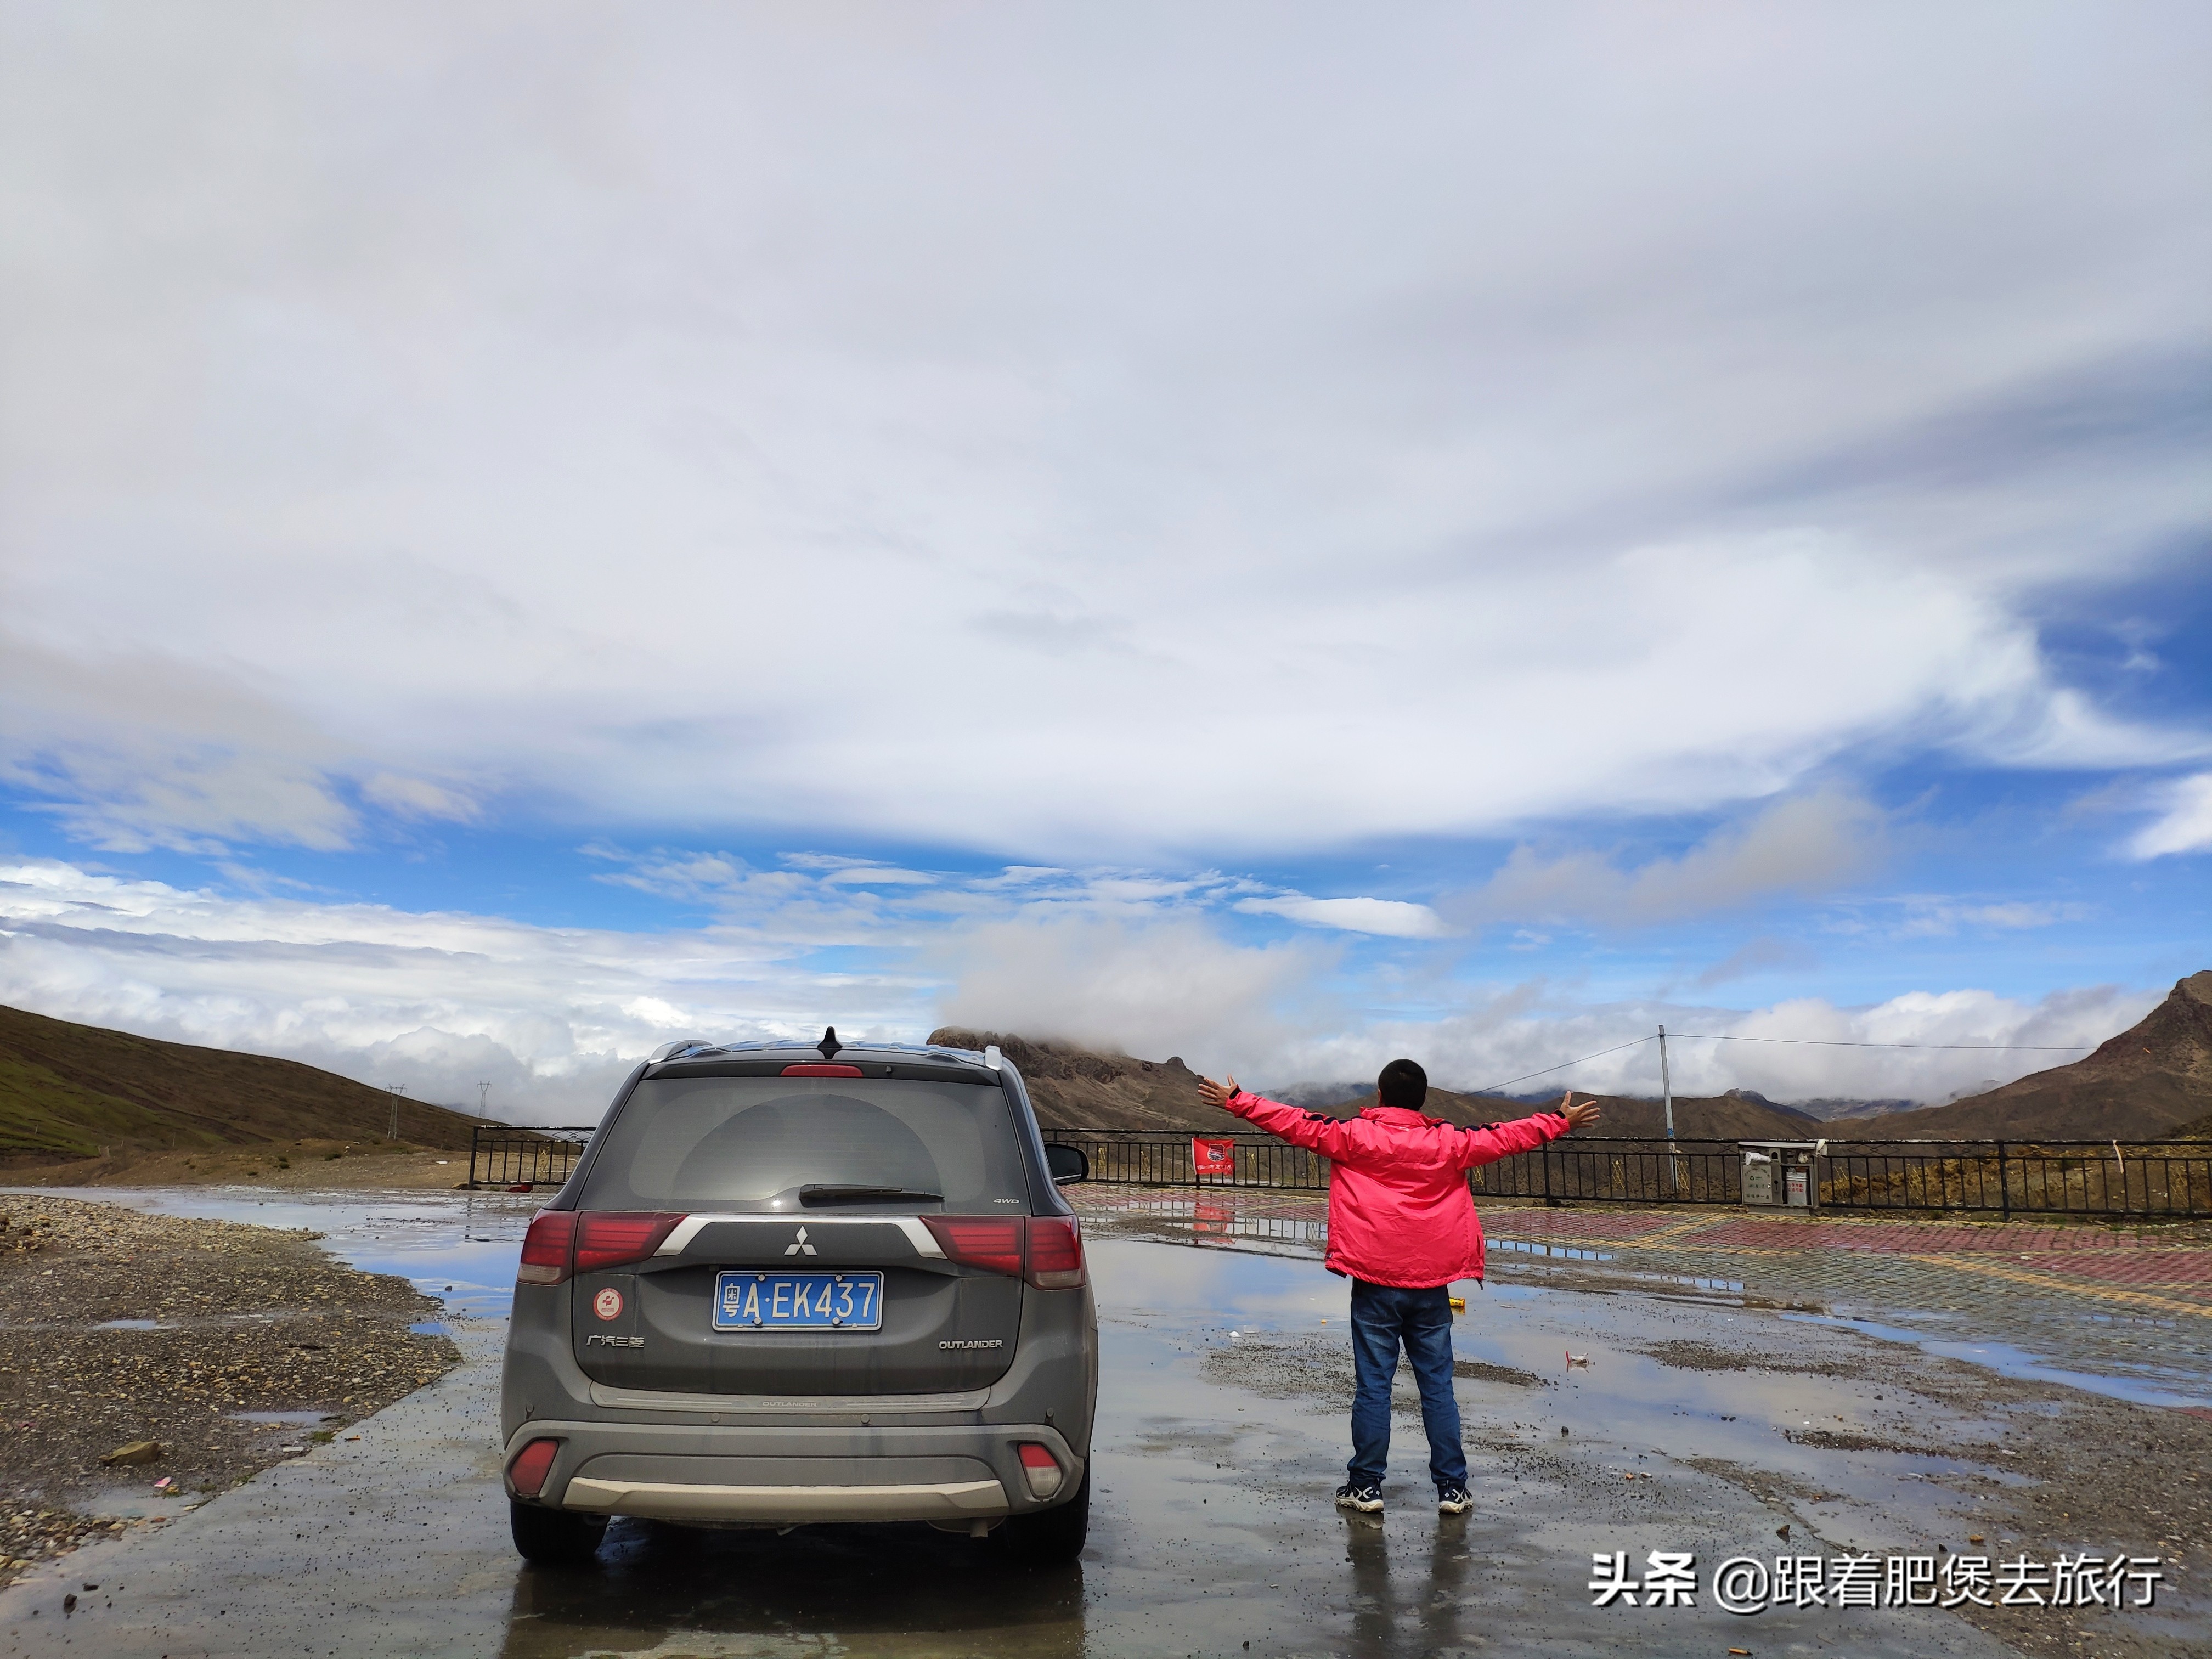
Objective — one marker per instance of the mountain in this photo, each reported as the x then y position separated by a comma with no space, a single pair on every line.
1828,1109
2153,1078
70,1090
1077,1088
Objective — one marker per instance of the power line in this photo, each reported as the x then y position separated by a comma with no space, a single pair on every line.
1832,1042
1807,1043
1562,1066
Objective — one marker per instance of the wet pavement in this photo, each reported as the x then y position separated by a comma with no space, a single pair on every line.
2120,1310
1219,1442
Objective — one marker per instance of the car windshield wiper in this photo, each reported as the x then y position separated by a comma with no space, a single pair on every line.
816,1196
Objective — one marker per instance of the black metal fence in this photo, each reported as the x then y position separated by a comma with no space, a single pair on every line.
522,1160
2005,1178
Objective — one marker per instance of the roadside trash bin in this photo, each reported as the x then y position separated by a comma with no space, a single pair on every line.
1781,1174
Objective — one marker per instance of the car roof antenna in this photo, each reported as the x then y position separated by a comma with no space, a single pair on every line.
830,1043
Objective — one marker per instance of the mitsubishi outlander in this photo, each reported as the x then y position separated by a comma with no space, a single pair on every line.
791,1284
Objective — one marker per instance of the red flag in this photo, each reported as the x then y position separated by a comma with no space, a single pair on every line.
1213,1157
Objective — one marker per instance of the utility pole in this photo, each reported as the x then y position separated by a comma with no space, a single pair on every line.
396,1090
483,1095
1667,1098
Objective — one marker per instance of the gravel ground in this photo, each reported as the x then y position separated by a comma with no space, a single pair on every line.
236,1320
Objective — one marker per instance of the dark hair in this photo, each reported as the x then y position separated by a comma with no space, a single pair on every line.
1403,1085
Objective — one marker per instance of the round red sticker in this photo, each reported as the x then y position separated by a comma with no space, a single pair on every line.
608,1303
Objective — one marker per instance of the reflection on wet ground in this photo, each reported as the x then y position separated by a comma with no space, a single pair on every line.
2120,1310
1219,1443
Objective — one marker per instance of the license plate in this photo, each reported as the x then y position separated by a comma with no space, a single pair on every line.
747,1301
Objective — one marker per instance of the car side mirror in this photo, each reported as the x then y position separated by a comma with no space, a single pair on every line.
1068,1164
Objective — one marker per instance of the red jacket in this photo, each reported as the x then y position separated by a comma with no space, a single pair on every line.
1398,1209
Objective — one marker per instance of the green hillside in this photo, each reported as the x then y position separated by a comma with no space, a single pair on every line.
75,1090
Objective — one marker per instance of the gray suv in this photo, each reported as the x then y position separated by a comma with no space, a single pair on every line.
794,1283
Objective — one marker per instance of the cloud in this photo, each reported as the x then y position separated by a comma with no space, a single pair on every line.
418,798
1143,491
1532,1028
552,1017
438,1002
1757,956
1167,986
2185,823
1805,843
1935,918
1388,918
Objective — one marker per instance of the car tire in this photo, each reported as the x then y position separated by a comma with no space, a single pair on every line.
1051,1536
554,1538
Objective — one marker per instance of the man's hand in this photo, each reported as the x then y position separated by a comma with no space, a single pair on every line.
1578,1117
1216,1094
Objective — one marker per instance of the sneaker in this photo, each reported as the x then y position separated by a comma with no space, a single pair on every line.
1360,1495
1454,1500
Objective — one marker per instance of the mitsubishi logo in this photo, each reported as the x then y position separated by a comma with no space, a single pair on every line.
802,1248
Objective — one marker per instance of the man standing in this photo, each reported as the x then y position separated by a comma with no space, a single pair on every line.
1401,1227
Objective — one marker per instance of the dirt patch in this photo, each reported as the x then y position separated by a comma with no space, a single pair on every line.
1828,1440
2066,1472
1769,1486
116,1327
1683,1356
1482,1370
288,1166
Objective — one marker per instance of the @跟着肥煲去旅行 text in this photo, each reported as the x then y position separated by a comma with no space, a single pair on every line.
1751,1583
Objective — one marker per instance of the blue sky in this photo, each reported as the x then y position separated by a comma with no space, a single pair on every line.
529,533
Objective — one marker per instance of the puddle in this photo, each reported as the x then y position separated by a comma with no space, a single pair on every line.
431,1328
459,1246
2008,1361
133,1325
1559,1252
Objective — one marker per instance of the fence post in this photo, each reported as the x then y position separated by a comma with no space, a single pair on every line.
475,1134
1544,1155
2004,1186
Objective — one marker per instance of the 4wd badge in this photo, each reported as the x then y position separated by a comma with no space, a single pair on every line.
608,1303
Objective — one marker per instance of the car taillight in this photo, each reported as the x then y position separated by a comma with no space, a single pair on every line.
545,1248
1045,1249
527,1474
608,1238
990,1242
1055,1252
1039,1467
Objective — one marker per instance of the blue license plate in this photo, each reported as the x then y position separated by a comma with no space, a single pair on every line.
748,1301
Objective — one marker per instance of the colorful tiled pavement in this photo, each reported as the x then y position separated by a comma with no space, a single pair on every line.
2129,1303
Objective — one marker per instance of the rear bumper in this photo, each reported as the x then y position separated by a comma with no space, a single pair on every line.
786,1475
968,1500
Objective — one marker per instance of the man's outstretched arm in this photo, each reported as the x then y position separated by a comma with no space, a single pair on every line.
1496,1140
1330,1137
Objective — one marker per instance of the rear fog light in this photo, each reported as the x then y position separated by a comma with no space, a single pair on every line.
1039,1467
1055,1252
527,1474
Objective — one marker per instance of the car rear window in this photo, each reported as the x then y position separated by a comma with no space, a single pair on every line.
740,1143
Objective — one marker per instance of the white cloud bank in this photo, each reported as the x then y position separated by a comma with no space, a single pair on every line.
552,1017
1335,426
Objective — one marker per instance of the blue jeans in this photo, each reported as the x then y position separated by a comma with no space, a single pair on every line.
1383,1317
